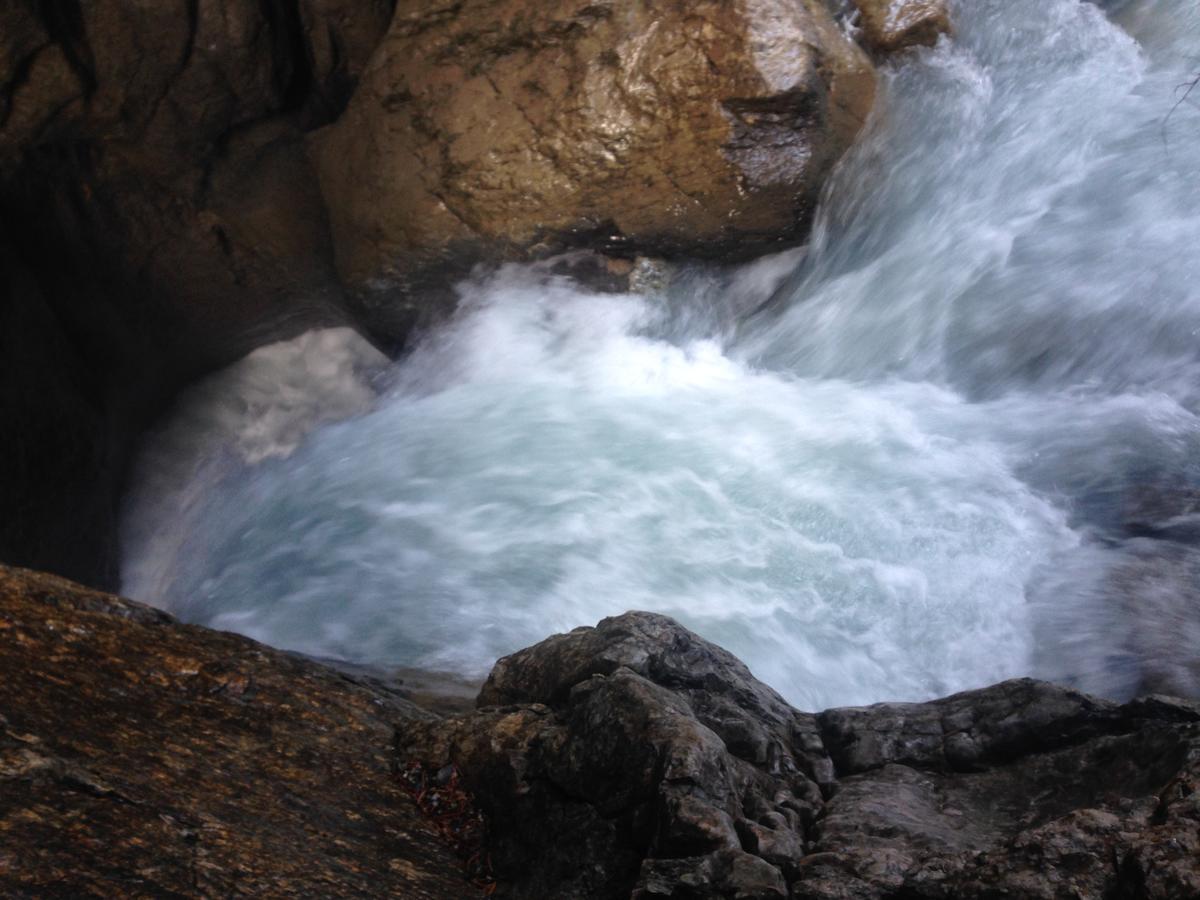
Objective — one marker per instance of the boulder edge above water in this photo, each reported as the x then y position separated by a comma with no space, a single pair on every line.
889,26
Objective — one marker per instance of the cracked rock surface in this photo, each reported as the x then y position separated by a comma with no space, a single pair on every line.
637,757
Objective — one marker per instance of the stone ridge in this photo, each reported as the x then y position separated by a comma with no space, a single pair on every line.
637,757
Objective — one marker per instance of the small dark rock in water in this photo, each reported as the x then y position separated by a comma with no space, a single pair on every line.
1153,593
635,757
1157,589
1168,512
1122,618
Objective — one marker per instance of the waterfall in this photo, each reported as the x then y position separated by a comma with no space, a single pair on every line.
942,445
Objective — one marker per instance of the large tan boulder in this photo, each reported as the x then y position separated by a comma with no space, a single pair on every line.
507,128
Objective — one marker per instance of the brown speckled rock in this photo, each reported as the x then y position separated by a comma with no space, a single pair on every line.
504,128
144,758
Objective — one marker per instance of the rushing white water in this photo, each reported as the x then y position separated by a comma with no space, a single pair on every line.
889,467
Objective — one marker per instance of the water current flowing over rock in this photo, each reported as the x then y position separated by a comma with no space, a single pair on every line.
934,450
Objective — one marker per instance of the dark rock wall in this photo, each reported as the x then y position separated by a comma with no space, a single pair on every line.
158,218
56,456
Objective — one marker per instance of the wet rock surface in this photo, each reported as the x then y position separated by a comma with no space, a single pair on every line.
889,26
636,757
144,758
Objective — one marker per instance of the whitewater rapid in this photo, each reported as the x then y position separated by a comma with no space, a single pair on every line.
890,465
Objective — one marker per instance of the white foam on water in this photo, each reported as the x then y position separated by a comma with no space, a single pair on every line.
542,463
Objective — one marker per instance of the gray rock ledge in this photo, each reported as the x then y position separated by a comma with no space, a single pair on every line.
637,758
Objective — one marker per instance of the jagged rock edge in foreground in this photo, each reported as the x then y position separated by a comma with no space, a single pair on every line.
635,756
142,757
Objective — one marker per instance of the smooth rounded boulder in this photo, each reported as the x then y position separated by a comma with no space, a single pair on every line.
507,129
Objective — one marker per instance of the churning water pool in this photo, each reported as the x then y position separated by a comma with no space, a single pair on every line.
891,466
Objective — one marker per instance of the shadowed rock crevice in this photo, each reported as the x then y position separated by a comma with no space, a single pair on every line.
64,26
161,217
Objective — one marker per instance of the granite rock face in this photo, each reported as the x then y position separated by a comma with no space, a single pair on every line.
504,128
144,758
636,757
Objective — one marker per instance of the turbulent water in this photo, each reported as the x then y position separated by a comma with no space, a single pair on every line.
899,463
